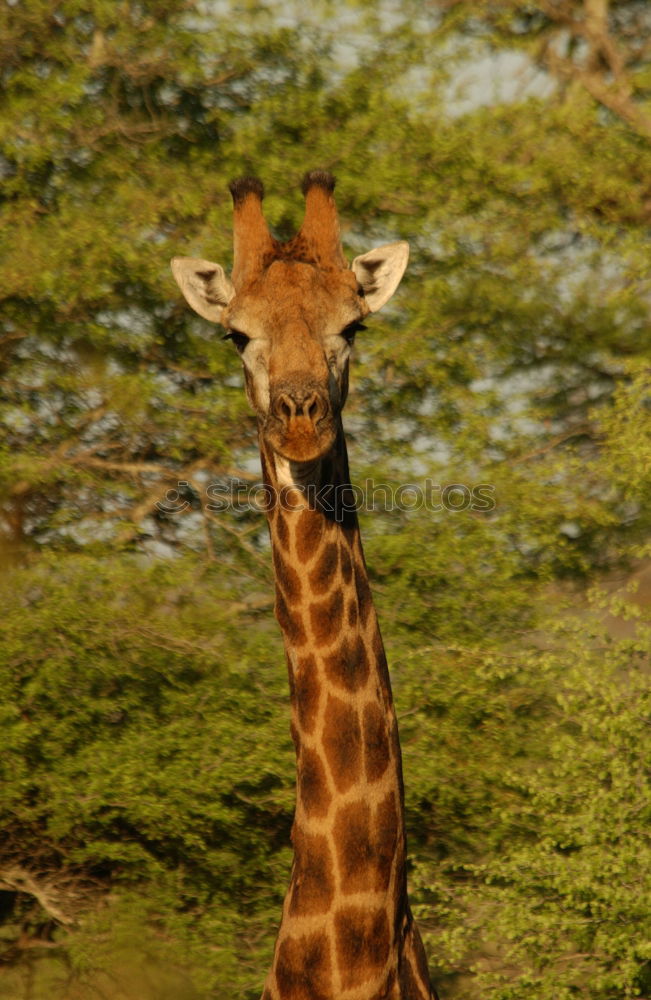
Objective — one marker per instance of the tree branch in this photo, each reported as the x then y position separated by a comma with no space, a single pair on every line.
18,879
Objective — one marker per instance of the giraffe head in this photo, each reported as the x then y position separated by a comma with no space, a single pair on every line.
292,310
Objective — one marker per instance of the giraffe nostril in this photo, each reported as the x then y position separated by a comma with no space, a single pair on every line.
299,403
285,408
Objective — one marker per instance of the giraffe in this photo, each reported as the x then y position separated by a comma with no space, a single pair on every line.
292,310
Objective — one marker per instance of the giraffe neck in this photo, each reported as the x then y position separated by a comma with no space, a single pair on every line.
346,919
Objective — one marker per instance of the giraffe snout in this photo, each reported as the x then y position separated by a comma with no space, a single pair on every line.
300,403
300,426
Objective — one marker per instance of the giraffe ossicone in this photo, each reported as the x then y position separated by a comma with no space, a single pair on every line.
292,310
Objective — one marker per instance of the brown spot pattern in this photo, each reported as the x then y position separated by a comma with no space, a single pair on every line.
342,743
290,624
363,943
387,829
346,563
290,675
364,597
287,576
309,529
297,248
313,784
322,575
381,662
325,617
303,968
352,613
355,854
397,755
376,742
348,665
282,531
313,883
305,691
366,845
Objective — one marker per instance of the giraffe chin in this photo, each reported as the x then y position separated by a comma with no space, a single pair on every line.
302,443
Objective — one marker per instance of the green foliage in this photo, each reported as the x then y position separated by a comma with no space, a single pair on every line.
559,910
136,750
147,771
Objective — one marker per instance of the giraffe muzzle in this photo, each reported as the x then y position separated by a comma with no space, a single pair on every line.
300,425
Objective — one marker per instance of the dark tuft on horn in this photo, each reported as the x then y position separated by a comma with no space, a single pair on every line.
318,178
242,186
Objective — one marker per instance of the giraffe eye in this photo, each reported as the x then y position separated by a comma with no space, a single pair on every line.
348,332
239,339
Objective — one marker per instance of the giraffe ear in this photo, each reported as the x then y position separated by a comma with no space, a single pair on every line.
379,272
205,286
